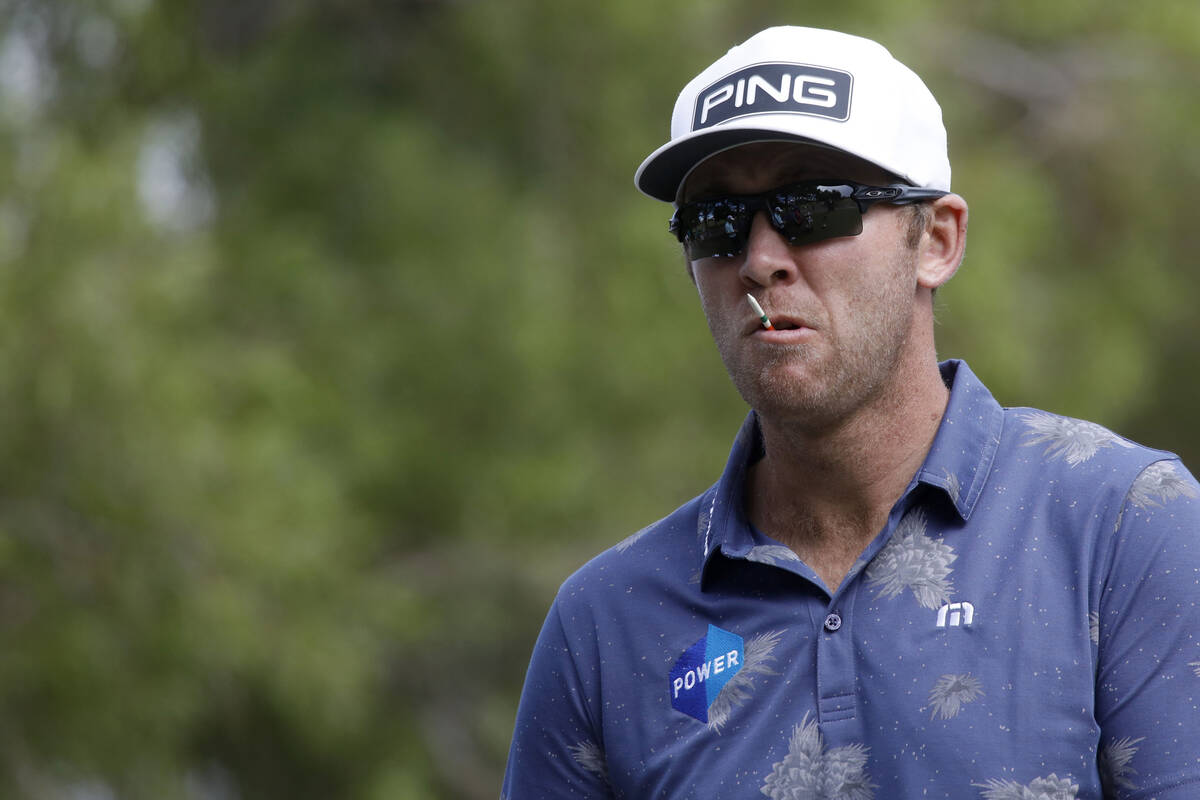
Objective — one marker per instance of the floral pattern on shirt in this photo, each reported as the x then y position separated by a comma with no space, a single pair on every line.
953,486
773,554
810,772
1113,761
915,561
1074,440
1051,787
951,693
1158,484
588,755
758,652
630,541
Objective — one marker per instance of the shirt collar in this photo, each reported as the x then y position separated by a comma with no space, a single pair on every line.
967,440
958,462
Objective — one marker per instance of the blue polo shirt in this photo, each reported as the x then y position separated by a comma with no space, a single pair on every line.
1025,626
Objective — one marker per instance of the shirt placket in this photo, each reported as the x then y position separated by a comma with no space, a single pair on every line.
837,695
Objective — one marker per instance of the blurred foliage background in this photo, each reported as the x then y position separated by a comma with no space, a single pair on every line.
333,336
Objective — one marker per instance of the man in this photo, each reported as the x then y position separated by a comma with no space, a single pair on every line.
897,588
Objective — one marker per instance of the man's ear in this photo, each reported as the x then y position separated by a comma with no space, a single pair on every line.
943,242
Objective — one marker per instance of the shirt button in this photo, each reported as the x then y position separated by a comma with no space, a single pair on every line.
833,622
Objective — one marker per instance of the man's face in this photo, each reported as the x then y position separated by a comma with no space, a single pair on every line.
843,308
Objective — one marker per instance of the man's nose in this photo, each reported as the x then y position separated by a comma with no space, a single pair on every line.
767,258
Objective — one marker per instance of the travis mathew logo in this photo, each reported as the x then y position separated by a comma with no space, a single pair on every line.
704,669
774,87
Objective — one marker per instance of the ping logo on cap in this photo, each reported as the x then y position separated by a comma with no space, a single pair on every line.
774,87
703,670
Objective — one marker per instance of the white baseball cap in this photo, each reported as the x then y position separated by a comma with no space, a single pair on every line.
806,85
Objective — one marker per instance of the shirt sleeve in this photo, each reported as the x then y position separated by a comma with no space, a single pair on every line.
556,749
1148,633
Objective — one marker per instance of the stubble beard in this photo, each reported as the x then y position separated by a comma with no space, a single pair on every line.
824,384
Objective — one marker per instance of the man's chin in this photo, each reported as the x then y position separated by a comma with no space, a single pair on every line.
787,394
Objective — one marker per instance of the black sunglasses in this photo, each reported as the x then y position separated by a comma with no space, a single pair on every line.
803,213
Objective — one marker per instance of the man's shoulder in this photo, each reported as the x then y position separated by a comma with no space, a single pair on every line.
668,548
1076,450
1031,445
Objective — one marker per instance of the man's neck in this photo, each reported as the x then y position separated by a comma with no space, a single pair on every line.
827,493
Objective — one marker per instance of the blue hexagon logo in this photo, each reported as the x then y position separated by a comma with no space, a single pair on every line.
703,670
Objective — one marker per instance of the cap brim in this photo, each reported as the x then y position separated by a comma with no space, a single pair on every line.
661,174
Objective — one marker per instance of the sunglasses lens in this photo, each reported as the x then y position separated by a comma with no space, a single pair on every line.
815,216
802,215
713,228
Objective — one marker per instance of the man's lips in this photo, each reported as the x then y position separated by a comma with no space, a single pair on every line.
780,322
786,323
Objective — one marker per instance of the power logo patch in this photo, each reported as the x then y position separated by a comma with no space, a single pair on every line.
704,669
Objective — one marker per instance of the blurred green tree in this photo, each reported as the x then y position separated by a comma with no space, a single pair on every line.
333,336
